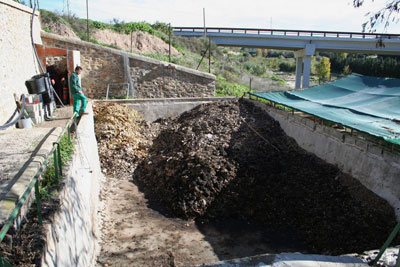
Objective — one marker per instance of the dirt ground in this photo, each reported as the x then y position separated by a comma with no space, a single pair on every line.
136,233
143,42
243,186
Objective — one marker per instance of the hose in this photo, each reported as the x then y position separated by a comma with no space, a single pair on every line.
36,3
33,43
5,126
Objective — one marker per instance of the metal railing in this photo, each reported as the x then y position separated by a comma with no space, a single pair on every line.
299,33
123,86
56,153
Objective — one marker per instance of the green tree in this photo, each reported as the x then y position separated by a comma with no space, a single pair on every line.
323,69
346,70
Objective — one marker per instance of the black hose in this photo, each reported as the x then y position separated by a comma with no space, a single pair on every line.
12,116
5,126
36,3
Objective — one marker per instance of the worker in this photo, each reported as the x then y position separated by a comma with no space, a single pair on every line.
77,93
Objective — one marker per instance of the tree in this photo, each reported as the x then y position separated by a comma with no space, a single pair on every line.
323,69
386,15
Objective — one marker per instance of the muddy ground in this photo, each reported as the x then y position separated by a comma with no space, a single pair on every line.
224,181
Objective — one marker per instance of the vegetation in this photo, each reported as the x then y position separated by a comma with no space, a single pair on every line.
234,67
49,180
370,65
225,88
385,15
323,69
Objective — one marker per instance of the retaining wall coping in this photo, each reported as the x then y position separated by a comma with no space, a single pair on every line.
9,202
362,145
165,100
19,6
129,55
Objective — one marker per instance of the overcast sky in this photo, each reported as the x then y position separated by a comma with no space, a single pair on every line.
329,15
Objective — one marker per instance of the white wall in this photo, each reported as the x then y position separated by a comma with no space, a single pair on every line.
72,237
17,62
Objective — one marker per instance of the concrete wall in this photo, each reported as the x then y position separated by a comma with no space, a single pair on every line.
151,78
72,236
17,61
375,168
153,109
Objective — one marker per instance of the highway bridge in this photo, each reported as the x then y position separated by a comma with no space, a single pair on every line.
304,43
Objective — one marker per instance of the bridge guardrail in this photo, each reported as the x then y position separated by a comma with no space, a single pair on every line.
280,32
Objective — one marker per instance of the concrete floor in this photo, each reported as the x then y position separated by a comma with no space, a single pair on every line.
19,146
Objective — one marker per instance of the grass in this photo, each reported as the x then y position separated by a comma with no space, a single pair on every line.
49,180
228,63
225,88
278,79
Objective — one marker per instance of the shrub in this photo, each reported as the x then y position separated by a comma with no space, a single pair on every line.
287,67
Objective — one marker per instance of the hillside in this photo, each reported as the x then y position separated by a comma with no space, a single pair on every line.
235,68
238,70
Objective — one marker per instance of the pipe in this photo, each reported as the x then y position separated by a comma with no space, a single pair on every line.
5,126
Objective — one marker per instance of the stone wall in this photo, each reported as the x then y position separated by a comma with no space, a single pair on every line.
151,78
17,61
167,80
57,61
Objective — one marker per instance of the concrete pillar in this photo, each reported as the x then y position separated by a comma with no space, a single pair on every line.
306,71
299,71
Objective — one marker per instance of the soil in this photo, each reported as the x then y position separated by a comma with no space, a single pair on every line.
143,42
25,247
136,233
60,29
231,160
223,181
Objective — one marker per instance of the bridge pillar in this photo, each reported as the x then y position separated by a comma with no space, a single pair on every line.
299,71
304,70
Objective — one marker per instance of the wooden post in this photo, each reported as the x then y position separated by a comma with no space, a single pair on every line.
209,55
87,19
169,42
131,40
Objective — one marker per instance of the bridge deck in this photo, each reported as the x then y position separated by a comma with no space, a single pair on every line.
355,42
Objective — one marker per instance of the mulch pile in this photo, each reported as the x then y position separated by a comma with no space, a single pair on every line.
230,159
123,137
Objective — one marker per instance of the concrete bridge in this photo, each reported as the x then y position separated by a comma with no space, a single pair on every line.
304,43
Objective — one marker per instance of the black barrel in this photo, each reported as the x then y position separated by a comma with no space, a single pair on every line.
36,85
48,96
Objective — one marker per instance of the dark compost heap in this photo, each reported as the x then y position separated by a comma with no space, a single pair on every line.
230,159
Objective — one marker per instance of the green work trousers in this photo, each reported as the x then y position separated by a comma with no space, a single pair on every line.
78,106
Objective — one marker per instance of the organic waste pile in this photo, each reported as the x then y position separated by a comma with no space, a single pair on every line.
122,136
230,159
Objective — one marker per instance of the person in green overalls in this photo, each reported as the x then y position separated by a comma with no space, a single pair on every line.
77,93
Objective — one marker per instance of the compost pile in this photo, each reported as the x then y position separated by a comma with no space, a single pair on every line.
123,137
230,159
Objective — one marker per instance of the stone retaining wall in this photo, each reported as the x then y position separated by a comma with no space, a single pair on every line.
151,78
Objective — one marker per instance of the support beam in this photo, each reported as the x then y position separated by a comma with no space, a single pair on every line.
306,71
299,71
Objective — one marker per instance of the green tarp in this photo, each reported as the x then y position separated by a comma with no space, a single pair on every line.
367,104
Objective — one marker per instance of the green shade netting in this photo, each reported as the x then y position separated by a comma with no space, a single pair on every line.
367,104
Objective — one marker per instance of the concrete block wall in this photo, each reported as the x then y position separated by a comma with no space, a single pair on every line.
17,61
151,78
375,168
